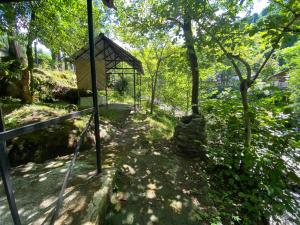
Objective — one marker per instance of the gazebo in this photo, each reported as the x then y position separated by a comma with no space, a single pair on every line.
111,59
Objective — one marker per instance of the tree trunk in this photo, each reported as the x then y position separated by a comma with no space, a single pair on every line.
187,102
153,92
66,65
27,73
36,59
190,46
30,62
59,61
29,54
54,59
26,95
13,48
15,53
247,123
154,84
53,55
152,95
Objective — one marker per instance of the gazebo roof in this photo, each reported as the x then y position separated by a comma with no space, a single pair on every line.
110,52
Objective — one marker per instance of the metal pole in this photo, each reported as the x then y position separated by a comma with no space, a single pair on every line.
106,77
94,85
106,92
134,94
6,177
140,100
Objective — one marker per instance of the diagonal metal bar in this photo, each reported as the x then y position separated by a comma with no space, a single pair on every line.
4,167
68,173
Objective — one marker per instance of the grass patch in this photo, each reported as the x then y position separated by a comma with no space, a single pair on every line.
115,116
47,82
115,97
9,104
54,78
50,142
161,124
19,115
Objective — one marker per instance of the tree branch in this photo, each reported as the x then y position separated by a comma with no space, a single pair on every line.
292,30
228,55
285,6
175,20
272,50
246,64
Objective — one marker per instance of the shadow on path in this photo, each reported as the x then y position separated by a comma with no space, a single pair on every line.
153,185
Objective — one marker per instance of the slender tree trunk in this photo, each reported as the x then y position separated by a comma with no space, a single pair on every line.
60,66
152,95
66,64
26,94
187,102
54,59
190,46
154,84
247,123
27,75
153,92
36,59
53,55
30,62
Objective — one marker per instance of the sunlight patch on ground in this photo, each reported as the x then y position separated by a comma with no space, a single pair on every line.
54,165
129,169
129,219
27,167
151,186
176,206
48,202
150,194
153,219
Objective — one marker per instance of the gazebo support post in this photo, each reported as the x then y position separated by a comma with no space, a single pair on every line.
134,91
106,75
140,98
94,85
106,92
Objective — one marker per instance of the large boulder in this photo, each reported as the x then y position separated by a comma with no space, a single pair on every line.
190,136
42,145
54,141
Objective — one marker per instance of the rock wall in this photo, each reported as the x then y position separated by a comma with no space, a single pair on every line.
190,136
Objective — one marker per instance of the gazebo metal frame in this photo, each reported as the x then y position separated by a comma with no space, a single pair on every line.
114,57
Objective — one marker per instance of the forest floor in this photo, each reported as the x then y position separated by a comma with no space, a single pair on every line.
153,185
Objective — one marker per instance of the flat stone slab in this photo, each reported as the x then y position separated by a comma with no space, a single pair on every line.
37,187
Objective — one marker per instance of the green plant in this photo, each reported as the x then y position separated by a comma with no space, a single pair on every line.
256,184
121,85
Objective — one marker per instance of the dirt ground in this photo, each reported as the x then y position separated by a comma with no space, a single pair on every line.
153,185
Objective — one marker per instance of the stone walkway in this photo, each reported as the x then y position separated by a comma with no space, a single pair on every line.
37,187
153,185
